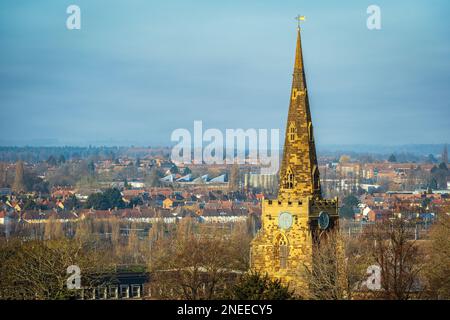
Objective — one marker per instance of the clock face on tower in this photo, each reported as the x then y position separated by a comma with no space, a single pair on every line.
324,220
285,220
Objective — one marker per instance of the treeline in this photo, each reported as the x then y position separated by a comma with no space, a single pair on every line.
190,260
384,150
408,269
23,178
81,174
40,154
37,270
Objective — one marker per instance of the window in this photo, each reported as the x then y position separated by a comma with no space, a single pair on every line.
102,292
135,291
113,292
282,251
283,256
289,179
316,178
124,291
310,131
291,132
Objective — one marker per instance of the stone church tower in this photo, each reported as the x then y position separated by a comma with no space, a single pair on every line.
293,222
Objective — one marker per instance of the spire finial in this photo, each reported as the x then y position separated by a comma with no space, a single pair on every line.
299,18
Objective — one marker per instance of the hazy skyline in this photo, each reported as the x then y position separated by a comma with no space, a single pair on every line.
138,69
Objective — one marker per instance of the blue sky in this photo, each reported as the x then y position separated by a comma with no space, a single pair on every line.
139,69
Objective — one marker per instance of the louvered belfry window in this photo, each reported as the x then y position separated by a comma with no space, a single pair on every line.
283,253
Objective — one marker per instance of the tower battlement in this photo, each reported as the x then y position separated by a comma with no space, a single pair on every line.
314,206
310,200
283,203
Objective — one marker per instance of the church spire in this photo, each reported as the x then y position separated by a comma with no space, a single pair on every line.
299,174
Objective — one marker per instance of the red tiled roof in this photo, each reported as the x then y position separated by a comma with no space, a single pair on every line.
132,193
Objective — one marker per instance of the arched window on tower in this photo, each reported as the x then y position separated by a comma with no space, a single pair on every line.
316,178
282,251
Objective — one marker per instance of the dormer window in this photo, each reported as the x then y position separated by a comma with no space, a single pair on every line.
310,131
289,179
291,132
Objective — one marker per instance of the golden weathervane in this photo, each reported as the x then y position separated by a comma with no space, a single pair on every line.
299,18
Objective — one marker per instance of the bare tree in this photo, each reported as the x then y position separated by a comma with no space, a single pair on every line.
53,229
339,265
196,263
3,175
233,184
438,266
37,269
393,249
19,183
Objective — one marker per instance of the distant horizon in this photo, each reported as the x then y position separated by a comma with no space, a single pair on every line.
381,149
111,144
